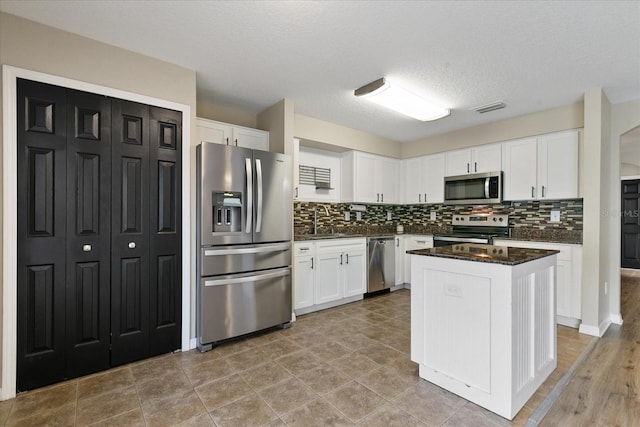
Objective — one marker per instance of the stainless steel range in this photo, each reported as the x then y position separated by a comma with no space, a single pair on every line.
478,228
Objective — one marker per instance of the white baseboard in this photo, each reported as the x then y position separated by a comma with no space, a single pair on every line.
589,330
193,342
568,321
596,331
616,319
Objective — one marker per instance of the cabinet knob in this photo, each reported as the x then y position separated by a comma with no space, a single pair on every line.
419,198
532,191
543,191
132,245
312,263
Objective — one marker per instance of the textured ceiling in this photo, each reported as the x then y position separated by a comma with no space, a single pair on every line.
533,55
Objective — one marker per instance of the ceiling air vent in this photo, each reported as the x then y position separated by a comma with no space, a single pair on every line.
498,105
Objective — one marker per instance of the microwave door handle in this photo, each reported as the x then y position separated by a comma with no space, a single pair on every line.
259,190
247,165
486,187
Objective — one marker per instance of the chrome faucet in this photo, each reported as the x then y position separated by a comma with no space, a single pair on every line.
315,218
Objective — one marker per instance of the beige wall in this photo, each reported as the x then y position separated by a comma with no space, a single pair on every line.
557,119
341,136
278,120
28,45
208,110
596,118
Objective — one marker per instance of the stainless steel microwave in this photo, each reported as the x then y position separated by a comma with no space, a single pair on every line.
478,188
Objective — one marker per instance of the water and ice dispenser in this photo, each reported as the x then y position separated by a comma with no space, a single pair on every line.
227,211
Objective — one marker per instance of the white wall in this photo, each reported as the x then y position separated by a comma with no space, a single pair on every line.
624,117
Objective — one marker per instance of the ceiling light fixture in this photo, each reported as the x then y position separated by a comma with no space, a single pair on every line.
396,98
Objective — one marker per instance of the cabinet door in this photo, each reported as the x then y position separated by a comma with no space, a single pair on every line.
433,177
412,243
304,282
387,180
250,138
216,132
365,178
328,281
413,184
486,158
519,166
558,166
400,274
354,272
457,162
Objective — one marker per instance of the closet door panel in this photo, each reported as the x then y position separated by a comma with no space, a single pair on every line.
166,230
41,234
130,232
88,232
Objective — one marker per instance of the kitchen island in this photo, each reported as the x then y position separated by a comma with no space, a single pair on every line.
483,321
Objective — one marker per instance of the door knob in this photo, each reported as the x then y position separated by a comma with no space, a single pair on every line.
132,245
86,248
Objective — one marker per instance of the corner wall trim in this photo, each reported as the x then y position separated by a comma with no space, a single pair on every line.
589,330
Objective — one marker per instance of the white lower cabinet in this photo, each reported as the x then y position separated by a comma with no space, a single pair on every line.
328,273
304,276
413,242
569,278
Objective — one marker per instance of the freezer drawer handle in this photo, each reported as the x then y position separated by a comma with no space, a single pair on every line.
248,279
257,250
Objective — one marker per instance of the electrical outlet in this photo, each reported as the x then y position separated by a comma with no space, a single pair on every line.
432,216
555,216
388,215
347,216
358,216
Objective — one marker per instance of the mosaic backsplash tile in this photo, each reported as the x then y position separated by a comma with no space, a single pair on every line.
528,219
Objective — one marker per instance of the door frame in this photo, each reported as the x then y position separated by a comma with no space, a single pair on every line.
10,75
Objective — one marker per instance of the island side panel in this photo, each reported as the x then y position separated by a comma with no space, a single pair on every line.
521,344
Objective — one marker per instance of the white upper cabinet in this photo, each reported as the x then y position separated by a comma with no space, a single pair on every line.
423,179
483,158
238,136
368,178
544,167
558,165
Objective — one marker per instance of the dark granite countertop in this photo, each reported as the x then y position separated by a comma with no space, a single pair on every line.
486,253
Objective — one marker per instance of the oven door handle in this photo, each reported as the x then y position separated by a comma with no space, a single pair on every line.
461,239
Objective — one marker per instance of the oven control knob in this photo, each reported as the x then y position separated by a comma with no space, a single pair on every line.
494,219
494,251
500,251
500,220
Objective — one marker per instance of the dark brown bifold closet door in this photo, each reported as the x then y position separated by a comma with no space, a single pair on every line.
630,230
99,233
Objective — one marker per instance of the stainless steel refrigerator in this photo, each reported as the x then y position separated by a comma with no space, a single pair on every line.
244,234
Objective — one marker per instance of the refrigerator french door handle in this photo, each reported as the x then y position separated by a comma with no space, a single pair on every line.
248,279
259,189
247,166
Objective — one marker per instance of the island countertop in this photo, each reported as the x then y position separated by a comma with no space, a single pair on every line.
505,255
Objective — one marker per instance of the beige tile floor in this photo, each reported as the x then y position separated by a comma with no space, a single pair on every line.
344,366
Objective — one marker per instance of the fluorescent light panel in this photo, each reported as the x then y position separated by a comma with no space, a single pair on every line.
396,98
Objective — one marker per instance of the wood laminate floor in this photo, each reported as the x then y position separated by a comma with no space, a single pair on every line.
604,390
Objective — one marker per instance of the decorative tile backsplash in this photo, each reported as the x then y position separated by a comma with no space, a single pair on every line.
527,218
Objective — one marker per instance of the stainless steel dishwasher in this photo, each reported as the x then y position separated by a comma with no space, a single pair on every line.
381,260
